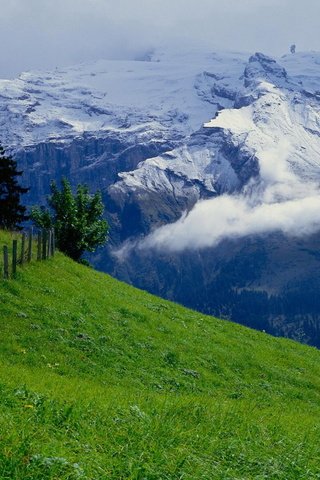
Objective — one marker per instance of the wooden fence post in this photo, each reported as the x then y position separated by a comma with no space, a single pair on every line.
23,243
39,240
44,244
49,234
53,242
14,257
5,263
30,245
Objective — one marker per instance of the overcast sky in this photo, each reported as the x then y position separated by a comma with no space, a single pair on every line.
49,33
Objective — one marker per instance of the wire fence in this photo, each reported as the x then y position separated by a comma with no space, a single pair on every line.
24,248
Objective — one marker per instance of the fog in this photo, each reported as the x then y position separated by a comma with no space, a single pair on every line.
38,34
233,217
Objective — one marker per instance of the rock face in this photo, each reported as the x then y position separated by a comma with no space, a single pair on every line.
141,132
86,159
263,68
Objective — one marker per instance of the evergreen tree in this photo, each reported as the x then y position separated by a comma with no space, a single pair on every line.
12,212
77,219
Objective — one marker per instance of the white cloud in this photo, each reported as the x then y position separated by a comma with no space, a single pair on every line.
278,201
213,220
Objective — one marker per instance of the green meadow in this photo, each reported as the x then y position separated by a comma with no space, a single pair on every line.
100,381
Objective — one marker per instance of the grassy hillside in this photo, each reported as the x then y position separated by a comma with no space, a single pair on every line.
102,381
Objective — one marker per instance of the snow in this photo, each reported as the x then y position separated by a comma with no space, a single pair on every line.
279,125
279,128
177,91
239,120
304,67
172,90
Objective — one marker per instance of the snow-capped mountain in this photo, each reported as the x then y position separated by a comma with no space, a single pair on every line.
272,109
122,111
264,152
159,92
262,149
231,138
166,98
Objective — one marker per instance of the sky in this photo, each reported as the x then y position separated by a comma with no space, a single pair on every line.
43,34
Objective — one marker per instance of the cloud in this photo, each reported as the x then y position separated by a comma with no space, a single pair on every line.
233,217
278,201
47,33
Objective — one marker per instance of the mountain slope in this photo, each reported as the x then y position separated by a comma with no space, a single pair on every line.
102,381
230,209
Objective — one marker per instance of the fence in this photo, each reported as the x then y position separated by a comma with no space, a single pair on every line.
42,246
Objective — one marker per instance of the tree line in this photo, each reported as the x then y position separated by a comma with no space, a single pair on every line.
77,217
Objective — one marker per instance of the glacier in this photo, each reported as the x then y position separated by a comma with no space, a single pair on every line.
170,91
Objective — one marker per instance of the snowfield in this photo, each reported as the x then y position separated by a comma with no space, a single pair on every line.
162,92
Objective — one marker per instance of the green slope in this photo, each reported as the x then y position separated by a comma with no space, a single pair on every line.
101,381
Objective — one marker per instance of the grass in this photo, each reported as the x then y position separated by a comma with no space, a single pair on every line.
101,381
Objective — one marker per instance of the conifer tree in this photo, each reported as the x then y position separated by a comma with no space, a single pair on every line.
12,212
